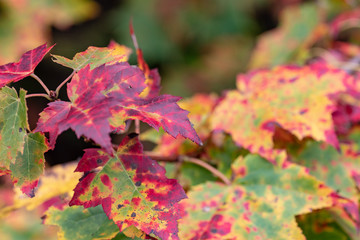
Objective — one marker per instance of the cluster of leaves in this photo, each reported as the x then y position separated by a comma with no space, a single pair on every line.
275,158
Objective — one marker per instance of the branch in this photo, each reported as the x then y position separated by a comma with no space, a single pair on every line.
41,83
63,82
203,164
183,158
38,95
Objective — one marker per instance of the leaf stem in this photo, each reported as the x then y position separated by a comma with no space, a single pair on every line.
57,90
38,95
41,83
137,126
183,158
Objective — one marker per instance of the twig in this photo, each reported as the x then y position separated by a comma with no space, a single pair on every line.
39,95
203,164
57,90
41,83
183,158
137,126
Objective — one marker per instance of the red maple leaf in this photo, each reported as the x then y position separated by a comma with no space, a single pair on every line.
132,189
13,72
112,93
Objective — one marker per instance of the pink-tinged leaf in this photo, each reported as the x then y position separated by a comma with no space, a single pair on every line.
263,200
96,56
132,189
102,100
297,99
345,117
90,121
13,72
345,20
162,111
200,107
120,78
88,112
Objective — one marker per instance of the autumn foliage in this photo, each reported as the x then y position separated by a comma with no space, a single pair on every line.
275,158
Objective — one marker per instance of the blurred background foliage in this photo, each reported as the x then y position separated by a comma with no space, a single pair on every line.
197,45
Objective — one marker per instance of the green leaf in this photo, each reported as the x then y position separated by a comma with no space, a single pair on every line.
261,203
81,224
328,165
13,125
297,31
95,56
29,165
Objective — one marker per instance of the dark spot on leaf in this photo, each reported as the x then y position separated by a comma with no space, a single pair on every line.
133,214
152,169
20,129
133,165
213,230
32,193
119,206
138,183
303,111
132,135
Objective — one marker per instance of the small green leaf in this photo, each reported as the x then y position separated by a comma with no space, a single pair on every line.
29,165
81,224
13,125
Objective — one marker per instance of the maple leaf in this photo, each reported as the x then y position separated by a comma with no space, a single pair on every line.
29,165
200,107
296,99
81,114
261,203
94,223
96,56
13,122
132,189
49,192
21,153
161,111
328,165
337,170
13,72
102,99
297,31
